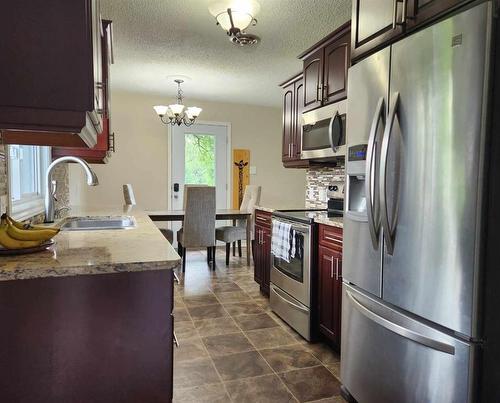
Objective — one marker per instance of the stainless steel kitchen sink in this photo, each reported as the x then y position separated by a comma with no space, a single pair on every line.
98,223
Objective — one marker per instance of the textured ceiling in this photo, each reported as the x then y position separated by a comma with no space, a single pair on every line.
157,38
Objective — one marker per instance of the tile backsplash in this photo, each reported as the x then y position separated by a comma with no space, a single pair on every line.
317,180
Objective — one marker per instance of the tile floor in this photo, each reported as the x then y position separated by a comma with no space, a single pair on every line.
234,349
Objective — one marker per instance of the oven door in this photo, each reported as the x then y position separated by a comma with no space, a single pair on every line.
293,277
323,132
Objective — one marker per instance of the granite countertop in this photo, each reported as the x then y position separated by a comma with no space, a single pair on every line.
270,209
96,252
322,218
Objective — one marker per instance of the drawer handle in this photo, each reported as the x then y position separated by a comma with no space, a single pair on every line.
329,238
278,293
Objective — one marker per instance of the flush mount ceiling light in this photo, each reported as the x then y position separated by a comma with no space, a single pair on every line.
177,114
234,16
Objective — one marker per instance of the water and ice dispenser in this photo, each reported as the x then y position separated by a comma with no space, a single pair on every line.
356,177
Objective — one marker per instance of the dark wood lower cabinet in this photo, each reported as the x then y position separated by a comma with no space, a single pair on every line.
262,250
330,285
95,338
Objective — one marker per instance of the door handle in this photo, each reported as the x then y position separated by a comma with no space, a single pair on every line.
400,330
374,230
389,233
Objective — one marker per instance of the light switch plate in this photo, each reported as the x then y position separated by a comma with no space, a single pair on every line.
253,170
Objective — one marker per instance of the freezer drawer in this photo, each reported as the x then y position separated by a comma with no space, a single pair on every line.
389,357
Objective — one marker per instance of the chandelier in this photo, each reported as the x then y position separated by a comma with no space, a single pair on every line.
177,114
234,16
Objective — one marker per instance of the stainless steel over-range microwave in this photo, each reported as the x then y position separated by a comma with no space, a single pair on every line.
323,132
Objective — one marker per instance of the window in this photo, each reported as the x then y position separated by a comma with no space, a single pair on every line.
200,159
27,167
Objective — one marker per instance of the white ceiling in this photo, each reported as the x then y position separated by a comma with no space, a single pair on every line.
157,38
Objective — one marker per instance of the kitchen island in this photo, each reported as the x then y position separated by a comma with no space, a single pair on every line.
90,318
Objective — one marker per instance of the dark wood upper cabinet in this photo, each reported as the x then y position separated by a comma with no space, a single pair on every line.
288,120
325,69
100,153
293,97
421,11
376,23
52,88
337,61
299,108
313,80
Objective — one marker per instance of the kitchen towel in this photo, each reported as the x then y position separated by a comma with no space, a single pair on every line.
280,241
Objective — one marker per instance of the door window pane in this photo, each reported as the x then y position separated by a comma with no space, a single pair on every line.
199,159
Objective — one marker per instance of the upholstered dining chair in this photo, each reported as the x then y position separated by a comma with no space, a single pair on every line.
198,228
235,233
129,199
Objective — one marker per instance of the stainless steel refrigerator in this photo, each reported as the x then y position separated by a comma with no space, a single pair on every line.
413,226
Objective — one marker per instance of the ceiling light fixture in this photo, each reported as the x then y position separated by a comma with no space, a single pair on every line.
234,16
177,113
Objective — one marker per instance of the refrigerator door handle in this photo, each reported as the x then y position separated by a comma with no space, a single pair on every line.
389,233
400,330
374,229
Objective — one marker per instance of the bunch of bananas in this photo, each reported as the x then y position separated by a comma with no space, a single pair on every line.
16,235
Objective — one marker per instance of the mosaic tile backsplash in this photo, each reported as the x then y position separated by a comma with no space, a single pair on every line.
317,181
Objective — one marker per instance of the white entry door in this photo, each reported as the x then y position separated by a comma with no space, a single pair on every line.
199,157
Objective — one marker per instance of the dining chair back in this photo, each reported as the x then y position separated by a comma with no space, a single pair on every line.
198,229
234,234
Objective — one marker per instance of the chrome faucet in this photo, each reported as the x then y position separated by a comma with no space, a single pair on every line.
50,193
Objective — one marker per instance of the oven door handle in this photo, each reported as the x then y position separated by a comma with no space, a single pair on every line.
278,292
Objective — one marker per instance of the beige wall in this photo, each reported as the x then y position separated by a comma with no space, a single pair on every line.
141,157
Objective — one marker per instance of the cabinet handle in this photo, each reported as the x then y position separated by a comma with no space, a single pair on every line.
319,93
112,142
176,341
337,276
324,96
176,278
331,267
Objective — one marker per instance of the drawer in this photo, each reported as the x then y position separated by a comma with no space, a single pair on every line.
263,218
330,237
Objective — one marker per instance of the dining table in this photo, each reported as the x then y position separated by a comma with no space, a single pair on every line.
220,214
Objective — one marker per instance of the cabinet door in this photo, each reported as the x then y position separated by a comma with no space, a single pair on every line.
374,23
288,121
420,11
299,108
313,80
257,256
330,293
266,259
337,61
326,264
337,297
